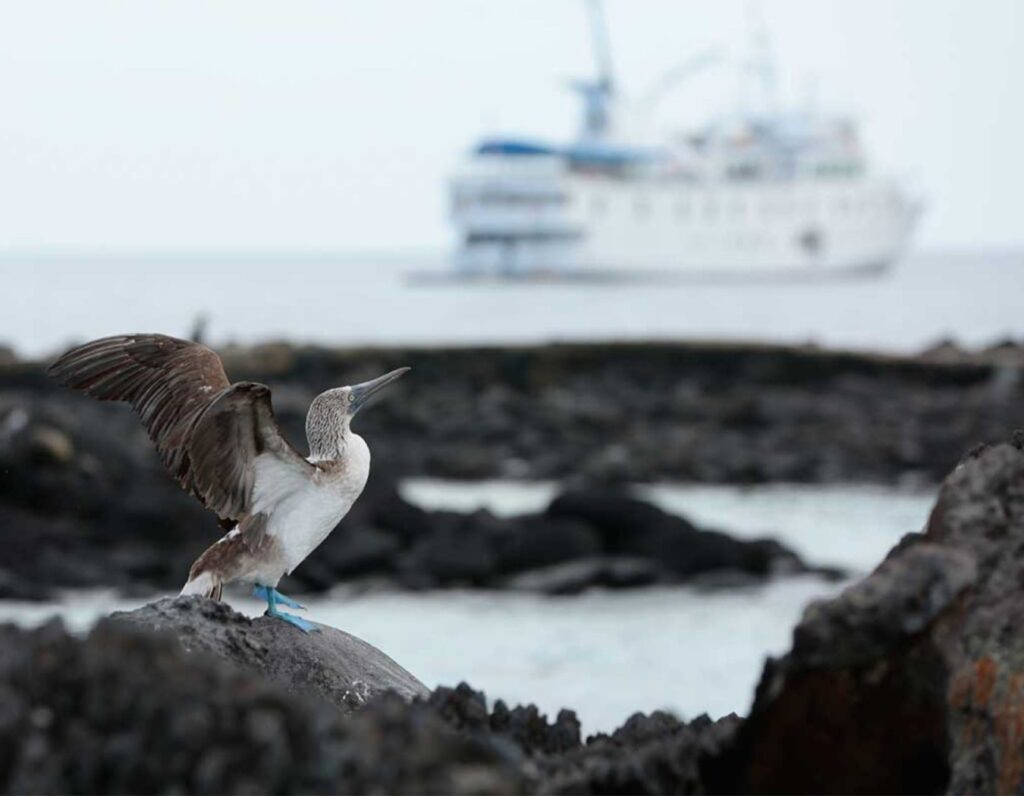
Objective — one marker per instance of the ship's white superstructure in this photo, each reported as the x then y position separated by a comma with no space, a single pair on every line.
755,192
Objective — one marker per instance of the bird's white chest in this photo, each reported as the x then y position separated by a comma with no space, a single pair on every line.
308,514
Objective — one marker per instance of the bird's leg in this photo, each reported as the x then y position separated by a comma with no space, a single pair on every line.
273,596
265,592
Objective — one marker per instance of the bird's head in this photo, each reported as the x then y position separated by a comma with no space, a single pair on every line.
357,396
332,411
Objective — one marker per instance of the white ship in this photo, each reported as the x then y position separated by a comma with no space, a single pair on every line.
758,191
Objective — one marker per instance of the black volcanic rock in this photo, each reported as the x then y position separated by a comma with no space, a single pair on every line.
80,480
84,503
634,528
127,711
911,680
539,540
338,667
712,412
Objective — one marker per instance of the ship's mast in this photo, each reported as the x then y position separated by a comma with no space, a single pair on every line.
597,93
602,46
759,66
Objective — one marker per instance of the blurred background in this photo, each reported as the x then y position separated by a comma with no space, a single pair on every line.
702,301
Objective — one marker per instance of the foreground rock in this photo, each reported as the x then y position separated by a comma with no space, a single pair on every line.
911,681
128,711
332,664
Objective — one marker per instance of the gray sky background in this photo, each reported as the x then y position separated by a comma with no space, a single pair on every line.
193,124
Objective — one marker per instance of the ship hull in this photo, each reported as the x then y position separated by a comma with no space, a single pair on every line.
567,224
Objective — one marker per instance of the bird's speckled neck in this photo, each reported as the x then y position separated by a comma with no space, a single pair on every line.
327,425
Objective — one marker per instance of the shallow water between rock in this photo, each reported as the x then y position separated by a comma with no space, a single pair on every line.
603,653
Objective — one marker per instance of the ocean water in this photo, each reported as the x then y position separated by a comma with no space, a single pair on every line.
347,299
605,654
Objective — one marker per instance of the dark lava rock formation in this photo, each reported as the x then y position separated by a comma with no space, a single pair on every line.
128,711
332,664
84,502
715,412
910,681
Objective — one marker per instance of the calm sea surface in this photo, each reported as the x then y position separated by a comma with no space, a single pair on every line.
46,302
603,653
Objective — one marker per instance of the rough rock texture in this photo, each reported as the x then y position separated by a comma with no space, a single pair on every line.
912,680
127,711
341,668
909,681
653,753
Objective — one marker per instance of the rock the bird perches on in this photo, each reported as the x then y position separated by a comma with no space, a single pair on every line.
222,443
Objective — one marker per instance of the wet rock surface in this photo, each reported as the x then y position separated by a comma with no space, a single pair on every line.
338,667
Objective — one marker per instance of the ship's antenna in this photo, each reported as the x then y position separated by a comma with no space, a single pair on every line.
760,63
597,93
602,44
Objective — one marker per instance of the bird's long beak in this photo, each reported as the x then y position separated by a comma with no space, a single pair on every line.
361,393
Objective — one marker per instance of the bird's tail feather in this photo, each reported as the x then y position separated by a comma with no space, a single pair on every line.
205,585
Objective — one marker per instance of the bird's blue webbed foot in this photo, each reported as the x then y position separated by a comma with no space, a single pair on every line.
302,624
273,597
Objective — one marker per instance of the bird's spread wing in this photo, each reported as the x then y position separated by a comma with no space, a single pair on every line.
238,428
208,431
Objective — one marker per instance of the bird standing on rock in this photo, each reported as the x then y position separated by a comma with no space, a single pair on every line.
222,442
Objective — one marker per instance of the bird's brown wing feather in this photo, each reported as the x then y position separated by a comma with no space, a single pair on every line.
238,427
207,431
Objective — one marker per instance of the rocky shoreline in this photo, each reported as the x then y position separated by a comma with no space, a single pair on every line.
633,412
909,681
85,503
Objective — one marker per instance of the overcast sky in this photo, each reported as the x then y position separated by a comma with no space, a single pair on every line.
203,124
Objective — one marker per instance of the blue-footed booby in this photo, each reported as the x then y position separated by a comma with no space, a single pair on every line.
222,443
